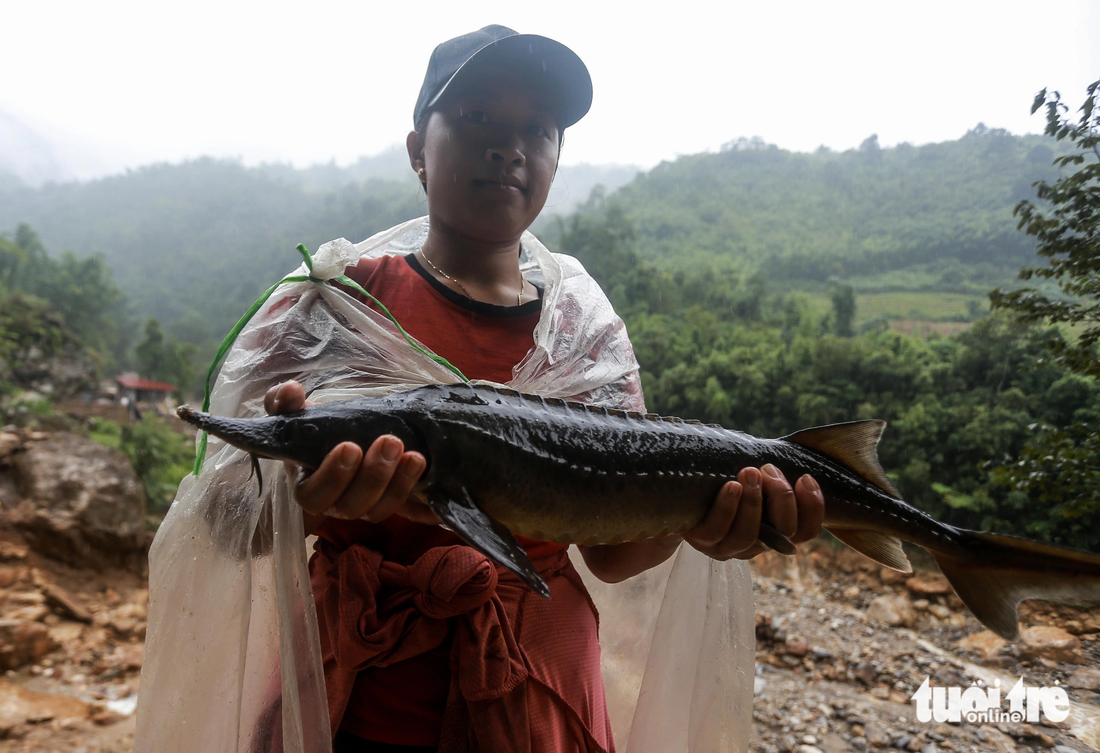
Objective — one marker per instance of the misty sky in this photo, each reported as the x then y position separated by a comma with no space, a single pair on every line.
122,84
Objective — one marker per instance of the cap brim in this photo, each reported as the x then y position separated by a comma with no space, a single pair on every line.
543,59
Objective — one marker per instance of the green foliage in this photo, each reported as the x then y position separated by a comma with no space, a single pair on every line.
81,290
161,457
844,308
1057,471
34,339
12,259
1056,483
1068,234
107,433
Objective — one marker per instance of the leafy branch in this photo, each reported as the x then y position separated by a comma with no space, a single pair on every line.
1067,231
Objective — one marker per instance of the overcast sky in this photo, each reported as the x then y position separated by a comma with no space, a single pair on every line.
123,84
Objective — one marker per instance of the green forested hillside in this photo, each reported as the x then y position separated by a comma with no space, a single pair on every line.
937,216
198,242
194,244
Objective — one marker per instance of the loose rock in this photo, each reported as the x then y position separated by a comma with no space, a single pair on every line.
928,585
23,642
892,610
1052,643
63,603
986,644
82,503
19,705
1087,678
10,443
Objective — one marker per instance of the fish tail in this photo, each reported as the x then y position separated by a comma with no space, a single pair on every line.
993,573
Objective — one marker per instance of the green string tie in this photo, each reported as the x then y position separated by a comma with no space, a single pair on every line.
230,338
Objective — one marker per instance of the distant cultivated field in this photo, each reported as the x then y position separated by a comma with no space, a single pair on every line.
923,328
920,313
915,305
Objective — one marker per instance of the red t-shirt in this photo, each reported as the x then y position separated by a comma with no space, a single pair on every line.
403,703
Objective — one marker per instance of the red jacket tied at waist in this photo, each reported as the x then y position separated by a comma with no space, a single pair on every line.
524,671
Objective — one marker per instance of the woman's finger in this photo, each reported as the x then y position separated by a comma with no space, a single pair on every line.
811,509
319,491
409,467
746,526
719,518
780,500
284,398
371,479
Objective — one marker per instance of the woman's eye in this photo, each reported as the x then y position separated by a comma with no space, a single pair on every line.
477,117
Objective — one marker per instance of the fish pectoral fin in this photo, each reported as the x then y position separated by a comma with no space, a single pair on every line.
853,444
993,573
883,549
457,509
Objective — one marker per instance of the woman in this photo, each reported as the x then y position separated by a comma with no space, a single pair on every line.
488,133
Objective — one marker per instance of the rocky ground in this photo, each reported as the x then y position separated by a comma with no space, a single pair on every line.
71,643
73,594
843,644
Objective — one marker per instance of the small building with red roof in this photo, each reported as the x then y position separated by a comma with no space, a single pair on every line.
134,390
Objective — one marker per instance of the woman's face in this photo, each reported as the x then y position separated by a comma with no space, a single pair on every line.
489,153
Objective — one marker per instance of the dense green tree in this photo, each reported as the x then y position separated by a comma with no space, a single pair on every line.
1068,234
165,358
37,348
1058,469
843,298
81,289
12,258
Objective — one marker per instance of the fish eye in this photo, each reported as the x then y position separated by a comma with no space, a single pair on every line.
309,431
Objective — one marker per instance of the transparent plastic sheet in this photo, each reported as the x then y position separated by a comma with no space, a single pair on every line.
678,646
232,658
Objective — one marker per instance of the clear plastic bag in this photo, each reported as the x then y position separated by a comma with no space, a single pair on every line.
232,660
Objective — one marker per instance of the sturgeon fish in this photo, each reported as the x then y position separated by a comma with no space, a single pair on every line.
502,463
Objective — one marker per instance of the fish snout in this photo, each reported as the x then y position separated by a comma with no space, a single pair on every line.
192,416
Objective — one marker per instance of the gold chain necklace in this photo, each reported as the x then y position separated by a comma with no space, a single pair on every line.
463,287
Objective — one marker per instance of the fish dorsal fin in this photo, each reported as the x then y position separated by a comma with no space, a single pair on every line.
851,444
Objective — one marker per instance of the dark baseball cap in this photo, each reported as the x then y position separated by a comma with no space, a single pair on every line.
548,64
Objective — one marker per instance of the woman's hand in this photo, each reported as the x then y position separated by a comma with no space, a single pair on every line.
351,484
732,527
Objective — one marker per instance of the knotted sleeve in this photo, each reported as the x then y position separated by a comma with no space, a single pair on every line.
373,613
